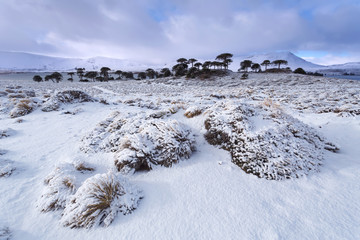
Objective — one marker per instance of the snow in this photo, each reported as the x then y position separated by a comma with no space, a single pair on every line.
197,198
27,62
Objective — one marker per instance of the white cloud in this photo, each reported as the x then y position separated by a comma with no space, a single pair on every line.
167,29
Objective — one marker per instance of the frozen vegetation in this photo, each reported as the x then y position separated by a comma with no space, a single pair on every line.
274,156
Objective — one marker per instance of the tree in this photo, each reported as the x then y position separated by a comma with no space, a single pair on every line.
71,74
206,65
192,61
141,75
48,77
180,69
57,76
92,75
299,71
265,63
128,75
198,65
104,71
80,72
150,73
279,62
37,78
225,58
119,73
256,67
244,65
165,72
182,60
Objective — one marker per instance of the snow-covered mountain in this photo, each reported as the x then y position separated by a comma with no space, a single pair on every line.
340,69
293,60
27,62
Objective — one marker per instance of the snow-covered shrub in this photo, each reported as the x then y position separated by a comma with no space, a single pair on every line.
155,143
60,184
98,201
6,132
140,142
5,233
268,145
22,108
6,168
192,111
83,167
68,96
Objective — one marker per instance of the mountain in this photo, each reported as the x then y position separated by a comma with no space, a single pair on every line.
293,60
27,62
341,69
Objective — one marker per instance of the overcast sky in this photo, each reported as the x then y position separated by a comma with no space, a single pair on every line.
322,31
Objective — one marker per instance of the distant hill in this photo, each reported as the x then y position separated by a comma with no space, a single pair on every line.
27,62
293,60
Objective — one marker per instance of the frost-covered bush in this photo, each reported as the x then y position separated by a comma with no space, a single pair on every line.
98,201
5,233
269,145
6,167
140,142
155,143
22,108
60,184
192,111
68,96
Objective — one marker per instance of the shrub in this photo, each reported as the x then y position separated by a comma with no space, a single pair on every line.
193,111
299,71
22,108
283,148
99,200
60,184
68,96
155,143
5,233
140,141
6,168
37,78
244,76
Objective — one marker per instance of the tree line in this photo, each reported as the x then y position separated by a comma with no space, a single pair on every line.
190,68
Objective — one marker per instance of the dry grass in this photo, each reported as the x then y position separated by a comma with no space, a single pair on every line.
193,112
98,201
81,167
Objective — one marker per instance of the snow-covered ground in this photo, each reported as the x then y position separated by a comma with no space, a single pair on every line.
48,131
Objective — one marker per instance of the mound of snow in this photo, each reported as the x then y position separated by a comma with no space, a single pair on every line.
266,143
98,201
68,96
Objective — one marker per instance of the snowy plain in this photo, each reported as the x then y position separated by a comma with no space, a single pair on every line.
206,196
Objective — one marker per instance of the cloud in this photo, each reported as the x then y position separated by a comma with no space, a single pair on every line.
163,30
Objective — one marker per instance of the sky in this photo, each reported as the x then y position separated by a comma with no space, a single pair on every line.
322,31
